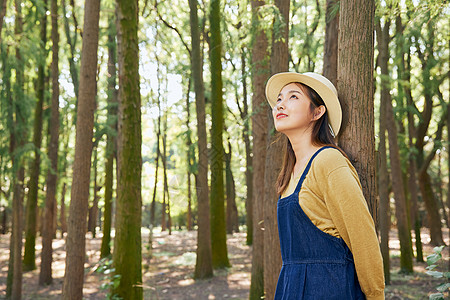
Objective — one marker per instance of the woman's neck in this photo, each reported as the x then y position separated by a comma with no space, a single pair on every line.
303,149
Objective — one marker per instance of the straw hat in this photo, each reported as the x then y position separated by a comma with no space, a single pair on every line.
317,82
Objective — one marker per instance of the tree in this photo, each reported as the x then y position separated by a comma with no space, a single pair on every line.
45,276
29,257
111,122
355,89
260,73
76,243
404,232
203,265
331,41
218,227
17,141
279,62
232,222
127,243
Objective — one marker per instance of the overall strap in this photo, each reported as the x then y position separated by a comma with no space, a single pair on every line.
308,166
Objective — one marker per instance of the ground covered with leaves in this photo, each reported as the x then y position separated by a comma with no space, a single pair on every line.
168,270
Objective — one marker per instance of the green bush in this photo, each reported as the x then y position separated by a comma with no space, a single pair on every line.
432,261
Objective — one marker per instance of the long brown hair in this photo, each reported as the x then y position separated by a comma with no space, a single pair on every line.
321,136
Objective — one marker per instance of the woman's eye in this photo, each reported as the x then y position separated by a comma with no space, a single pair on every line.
278,100
294,96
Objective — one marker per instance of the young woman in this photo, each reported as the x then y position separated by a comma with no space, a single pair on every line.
328,241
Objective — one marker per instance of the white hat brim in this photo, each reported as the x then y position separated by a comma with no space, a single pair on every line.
318,83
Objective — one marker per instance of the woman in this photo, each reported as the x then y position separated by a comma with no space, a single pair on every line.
328,241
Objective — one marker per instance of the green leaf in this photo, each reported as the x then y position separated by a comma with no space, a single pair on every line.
435,274
433,258
437,296
443,287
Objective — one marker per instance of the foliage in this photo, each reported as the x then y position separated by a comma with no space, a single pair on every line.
432,261
105,267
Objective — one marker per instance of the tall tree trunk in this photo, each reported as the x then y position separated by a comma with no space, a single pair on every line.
29,257
18,139
45,276
127,243
76,243
218,227
93,210
401,209
248,152
355,89
190,158
383,189
232,213
428,62
260,73
331,42
405,71
105,249
164,209
279,62
203,265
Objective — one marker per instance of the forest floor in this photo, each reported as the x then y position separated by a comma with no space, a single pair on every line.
169,273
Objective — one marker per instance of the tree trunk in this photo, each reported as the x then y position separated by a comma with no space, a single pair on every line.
260,73
93,210
29,257
18,140
405,71
279,62
232,213
105,249
190,158
401,209
248,153
203,265
355,89
383,189
62,211
428,62
165,204
331,42
45,276
218,226
76,243
127,243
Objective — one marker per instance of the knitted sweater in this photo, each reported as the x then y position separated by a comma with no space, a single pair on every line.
332,198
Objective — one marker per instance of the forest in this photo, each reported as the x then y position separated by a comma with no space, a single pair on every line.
138,154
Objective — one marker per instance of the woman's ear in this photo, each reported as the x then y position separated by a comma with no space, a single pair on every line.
318,112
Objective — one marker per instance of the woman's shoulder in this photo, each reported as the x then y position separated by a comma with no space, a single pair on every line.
330,159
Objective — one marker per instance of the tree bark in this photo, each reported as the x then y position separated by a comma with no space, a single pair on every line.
76,243
331,42
127,243
355,89
218,226
279,62
248,153
45,276
111,154
383,190
93,210
232,222
29,257
18,139
203,265
260,73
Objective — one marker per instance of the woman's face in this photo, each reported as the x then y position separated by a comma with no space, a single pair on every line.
292,111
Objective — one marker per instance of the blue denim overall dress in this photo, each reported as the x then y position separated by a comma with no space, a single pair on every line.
316,265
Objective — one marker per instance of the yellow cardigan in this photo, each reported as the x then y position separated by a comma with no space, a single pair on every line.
332,198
